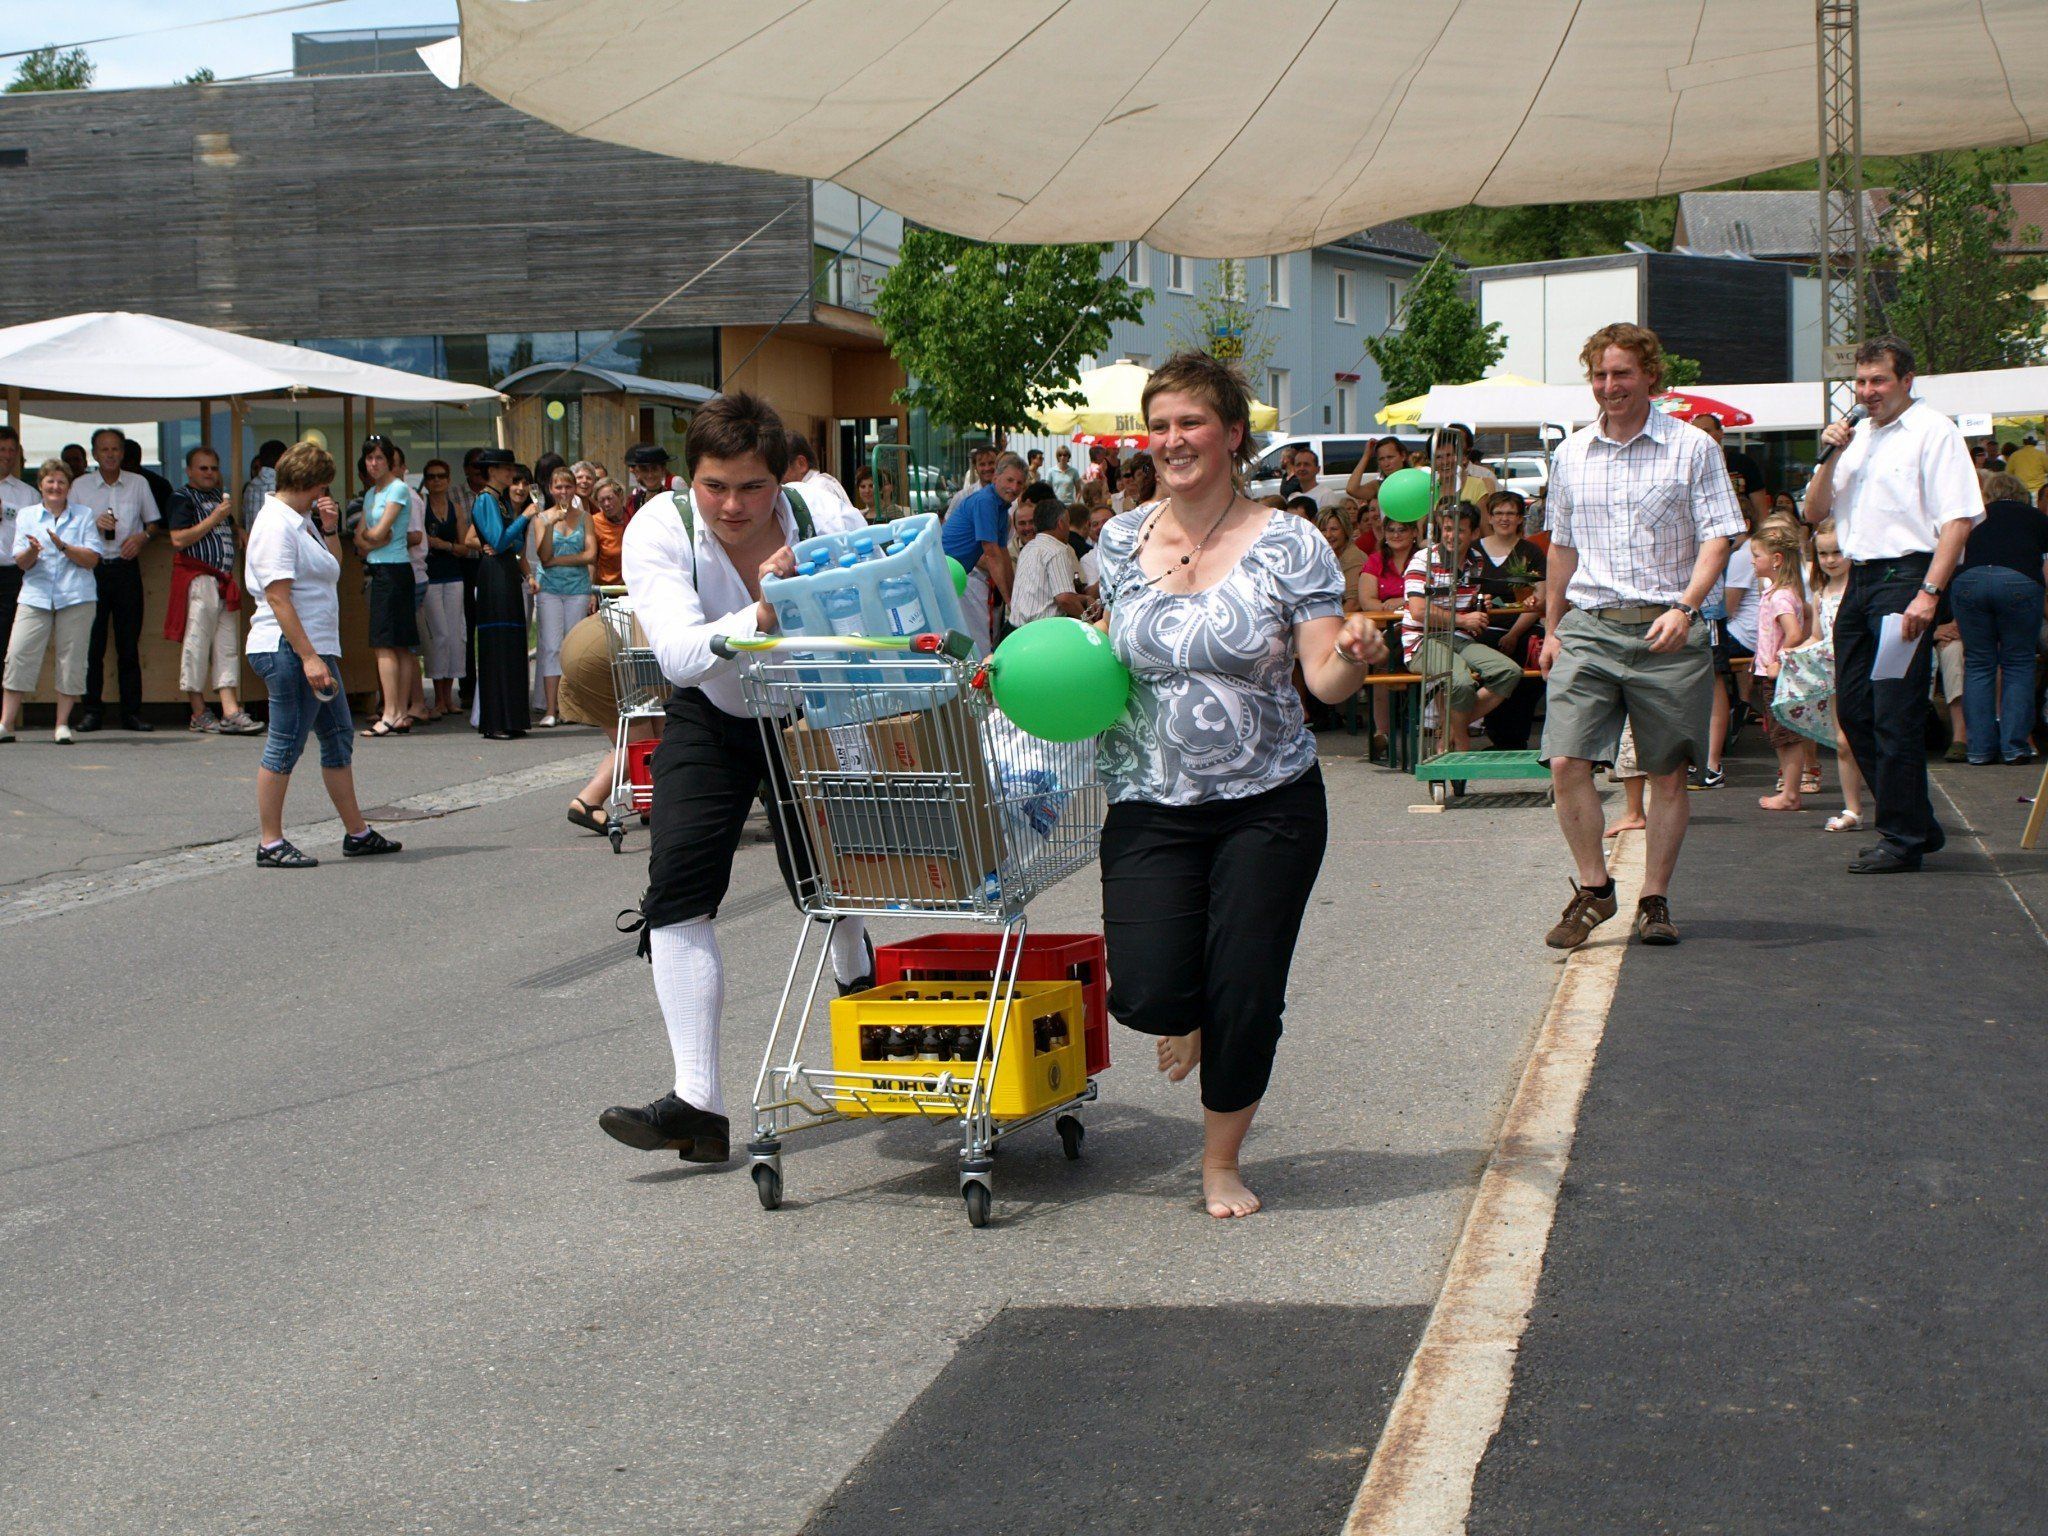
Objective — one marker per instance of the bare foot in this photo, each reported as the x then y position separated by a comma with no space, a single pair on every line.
1225,1194
1627,824
1783,801
1178,1055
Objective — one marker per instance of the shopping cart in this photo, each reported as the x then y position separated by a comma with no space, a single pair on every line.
917,800
642,694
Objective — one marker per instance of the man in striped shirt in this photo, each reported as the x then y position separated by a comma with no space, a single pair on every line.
1641,518
1446,578
205,601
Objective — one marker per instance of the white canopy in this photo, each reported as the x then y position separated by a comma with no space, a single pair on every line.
114,355
1775,407
1238,129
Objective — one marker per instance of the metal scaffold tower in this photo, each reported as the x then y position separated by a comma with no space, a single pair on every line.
1843,229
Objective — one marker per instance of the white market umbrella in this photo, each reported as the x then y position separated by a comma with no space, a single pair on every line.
1229,128
1112,407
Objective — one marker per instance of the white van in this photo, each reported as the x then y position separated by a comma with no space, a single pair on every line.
1338,455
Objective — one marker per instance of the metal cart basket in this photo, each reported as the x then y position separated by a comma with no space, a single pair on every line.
642,694
909,795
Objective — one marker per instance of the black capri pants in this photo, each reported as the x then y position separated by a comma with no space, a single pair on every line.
1201,905
708,771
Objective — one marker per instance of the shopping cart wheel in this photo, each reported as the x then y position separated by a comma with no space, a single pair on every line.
1439,792
616,833
978,1198
1072,1132
768,1185
1458,788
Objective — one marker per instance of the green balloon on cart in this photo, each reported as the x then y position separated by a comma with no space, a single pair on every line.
959,574
1059,680
1404,495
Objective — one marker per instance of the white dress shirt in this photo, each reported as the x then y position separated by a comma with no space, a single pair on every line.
130,500
684,595
286,546
1897,485
14,495
1637,512
1046,568
821,491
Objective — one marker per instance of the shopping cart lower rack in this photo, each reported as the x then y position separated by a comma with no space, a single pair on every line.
904,793
641,693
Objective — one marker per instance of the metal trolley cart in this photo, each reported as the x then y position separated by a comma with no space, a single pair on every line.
642,694
1444,770
915,798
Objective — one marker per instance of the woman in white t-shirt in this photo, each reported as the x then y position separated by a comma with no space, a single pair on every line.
293,567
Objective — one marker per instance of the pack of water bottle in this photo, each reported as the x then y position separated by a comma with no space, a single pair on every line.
887,580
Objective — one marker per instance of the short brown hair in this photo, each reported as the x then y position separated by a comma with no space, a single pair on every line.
1889,350
733,426
305,467
1638,340
55,467
1215,383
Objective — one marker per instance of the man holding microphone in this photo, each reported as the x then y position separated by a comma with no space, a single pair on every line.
1904,497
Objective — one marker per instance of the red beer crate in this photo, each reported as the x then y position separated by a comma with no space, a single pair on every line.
1047,957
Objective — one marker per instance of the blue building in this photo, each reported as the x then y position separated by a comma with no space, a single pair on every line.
1318,307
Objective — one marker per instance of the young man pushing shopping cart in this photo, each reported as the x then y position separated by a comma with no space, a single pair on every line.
693,560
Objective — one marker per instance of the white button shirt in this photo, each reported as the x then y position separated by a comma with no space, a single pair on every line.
1638,512
1897,485
684,596
820,491
130,500
1046,568
14,495
286,546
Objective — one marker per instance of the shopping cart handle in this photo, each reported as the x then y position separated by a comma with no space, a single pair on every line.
722,647
953,644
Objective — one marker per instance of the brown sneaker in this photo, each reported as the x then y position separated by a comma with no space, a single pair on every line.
1653,921
1582,914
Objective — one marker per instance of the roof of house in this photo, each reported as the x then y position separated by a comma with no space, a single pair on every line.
1787,224
1397,238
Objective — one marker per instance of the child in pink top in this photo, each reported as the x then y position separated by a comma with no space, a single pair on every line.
1780,625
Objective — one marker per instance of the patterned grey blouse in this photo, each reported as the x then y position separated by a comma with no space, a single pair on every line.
1214,714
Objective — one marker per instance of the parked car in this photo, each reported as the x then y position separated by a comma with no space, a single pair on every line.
1339,455
1527,473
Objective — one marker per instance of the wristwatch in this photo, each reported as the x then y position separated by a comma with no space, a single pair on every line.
1930,589
1692,614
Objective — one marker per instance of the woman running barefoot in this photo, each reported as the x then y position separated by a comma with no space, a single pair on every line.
1212,598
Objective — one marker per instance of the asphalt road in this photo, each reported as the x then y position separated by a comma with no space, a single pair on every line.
307,1225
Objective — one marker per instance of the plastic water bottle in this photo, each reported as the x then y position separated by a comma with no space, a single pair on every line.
842,605
864,547
904,604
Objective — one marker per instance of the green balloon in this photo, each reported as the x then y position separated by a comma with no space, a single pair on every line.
959,574
1404,495
1058,680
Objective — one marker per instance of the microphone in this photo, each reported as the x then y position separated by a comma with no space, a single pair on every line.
1856,414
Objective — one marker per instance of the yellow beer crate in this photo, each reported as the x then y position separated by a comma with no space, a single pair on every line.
1043,1061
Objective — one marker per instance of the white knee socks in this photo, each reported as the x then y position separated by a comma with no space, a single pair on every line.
689,980
849,949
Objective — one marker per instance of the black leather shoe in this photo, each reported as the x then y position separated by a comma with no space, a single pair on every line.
88,720
136,723
862,983
1882,861
670,1124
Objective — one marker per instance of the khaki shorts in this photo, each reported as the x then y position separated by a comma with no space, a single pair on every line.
34,630
1605,676
1472,665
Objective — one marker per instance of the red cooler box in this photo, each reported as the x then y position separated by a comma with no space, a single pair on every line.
1047,957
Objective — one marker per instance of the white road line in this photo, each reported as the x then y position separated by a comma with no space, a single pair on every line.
74,893
1990,858
1419,1481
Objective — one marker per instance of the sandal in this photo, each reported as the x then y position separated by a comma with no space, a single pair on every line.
583,815
1845,821
282,855
1809,784
380,730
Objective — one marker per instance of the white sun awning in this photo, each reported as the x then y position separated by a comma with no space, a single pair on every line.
1232,128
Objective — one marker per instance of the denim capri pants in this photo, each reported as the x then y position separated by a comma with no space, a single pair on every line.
295,713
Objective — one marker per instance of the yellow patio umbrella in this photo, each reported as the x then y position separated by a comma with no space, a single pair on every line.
1112,410
1408,413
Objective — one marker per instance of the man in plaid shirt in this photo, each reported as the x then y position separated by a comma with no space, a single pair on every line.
1642,515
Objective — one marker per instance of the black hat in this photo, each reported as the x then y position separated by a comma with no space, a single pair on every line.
646,453
486,457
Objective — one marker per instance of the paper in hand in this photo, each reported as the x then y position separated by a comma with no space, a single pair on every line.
1894,650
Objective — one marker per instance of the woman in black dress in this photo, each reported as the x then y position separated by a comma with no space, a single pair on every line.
501,681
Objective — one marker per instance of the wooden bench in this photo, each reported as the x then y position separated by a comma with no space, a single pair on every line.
1403,727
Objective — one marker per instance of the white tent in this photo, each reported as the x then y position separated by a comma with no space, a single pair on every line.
1798,407
1239,129
114,355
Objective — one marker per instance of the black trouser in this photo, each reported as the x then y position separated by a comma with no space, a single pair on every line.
1200,908
708,771
10,595
1512,720
120,594
1885,721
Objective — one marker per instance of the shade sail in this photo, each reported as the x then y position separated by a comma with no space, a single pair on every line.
1226,128
115,355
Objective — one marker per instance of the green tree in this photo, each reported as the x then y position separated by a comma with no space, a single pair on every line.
1957,299
1224,323
990,334
1441,342
47,69
1489,237
1681,371
198,77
